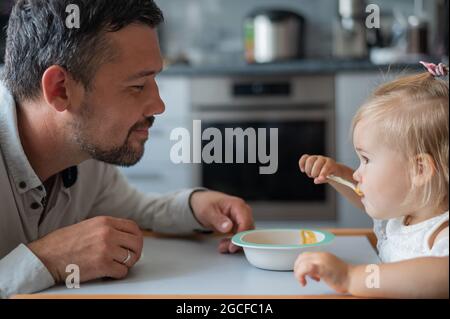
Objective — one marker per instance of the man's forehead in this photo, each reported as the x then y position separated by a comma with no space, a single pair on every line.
144,73
138,50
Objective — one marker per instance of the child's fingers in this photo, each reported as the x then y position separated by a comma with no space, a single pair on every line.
302,162
300,273
304,257
300,278
299,265
327,170
317,167
309,165
320,180
306,269
314,271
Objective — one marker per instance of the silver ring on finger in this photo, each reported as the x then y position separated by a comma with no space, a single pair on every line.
127,259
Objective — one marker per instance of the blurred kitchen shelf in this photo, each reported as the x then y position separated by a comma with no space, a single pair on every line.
287,68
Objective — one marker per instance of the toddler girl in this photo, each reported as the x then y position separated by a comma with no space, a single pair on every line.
401,137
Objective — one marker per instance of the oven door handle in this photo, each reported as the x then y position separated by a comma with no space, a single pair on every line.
236,115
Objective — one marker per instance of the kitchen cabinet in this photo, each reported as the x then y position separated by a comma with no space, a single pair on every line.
156,173
352,89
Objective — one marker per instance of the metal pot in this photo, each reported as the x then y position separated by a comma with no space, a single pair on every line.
274,35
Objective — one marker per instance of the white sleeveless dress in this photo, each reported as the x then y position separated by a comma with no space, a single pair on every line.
398,242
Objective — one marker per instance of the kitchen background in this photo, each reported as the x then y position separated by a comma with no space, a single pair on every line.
212,29
318,70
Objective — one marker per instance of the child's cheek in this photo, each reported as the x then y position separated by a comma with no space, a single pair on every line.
374,199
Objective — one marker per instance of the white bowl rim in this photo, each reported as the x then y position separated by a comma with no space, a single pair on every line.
238,241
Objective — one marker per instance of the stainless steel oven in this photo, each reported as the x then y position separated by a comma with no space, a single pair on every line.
301,109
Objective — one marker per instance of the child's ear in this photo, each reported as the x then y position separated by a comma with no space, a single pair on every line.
424,169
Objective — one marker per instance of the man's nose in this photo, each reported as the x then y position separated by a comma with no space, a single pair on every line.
160,106
155,106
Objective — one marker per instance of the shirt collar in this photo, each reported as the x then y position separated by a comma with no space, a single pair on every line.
17,162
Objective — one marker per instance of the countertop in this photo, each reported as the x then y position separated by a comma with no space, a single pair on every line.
300,67
308,67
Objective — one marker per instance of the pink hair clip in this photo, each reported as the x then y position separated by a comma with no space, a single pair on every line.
436,70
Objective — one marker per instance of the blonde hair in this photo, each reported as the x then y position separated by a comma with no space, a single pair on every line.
411,114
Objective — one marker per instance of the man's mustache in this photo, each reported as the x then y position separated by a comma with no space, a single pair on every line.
146,124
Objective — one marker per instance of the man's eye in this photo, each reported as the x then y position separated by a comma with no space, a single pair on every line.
364,159
138,88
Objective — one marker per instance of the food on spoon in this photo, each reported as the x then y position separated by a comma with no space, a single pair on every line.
359,192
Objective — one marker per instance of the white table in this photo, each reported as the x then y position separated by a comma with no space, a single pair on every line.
193,267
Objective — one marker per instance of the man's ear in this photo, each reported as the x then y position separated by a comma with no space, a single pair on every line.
424,169
55,90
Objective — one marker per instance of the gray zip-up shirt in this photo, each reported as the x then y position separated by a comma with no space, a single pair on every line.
91,189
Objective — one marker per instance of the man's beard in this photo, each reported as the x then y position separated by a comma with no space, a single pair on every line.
123,155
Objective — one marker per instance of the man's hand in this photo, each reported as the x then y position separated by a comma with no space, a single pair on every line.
222,213
98,246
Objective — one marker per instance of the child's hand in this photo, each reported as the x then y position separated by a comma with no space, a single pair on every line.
318,167
328,267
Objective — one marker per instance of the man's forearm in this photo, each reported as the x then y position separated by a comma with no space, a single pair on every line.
168,213
22,272
426,277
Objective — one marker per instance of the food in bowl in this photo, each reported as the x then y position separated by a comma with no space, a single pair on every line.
308,237
277,249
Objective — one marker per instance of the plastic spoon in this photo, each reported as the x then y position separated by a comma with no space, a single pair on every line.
345,182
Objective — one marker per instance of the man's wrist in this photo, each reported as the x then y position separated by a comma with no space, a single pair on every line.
34,248
198,190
